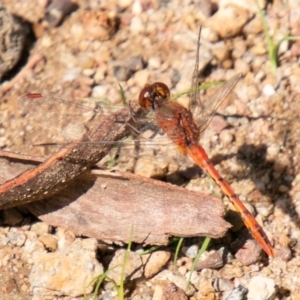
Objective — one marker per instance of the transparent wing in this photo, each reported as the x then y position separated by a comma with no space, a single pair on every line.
203,112
69,118
194,95
155,158
210,106
66,117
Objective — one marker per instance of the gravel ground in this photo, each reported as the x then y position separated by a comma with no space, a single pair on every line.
253,141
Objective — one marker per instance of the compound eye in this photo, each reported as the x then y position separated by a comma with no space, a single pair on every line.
154,95
145,97
162,92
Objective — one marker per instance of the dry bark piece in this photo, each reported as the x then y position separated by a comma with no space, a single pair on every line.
126,207
131,208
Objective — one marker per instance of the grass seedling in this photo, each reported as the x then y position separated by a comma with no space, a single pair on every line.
200,252
154,248
273,46
122,275
178,247
98,280
122,93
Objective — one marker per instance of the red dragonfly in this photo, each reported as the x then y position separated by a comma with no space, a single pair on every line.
185,131
179,124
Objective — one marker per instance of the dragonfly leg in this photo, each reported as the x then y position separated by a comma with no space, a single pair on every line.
148,126
154,134
133,114
134,130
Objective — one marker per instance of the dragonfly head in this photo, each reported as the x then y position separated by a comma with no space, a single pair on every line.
152,96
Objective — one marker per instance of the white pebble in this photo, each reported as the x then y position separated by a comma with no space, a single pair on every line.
268,90
71,75
261,288
137,7
191,251
136,24
154,63
100,91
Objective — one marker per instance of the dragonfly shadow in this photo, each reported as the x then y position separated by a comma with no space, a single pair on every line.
29,40
272,180
65,197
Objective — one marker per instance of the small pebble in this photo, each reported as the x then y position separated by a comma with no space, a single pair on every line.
100,91
222,284
237,294
268,90
40,228
261,288
191,251
16,237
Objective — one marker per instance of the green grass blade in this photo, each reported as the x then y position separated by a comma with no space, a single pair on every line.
122,275
150,250
99,279
154,248
272,47
201,87
201,251
178,247
122,93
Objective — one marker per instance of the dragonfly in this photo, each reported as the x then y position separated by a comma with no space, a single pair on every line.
183,126
185,131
